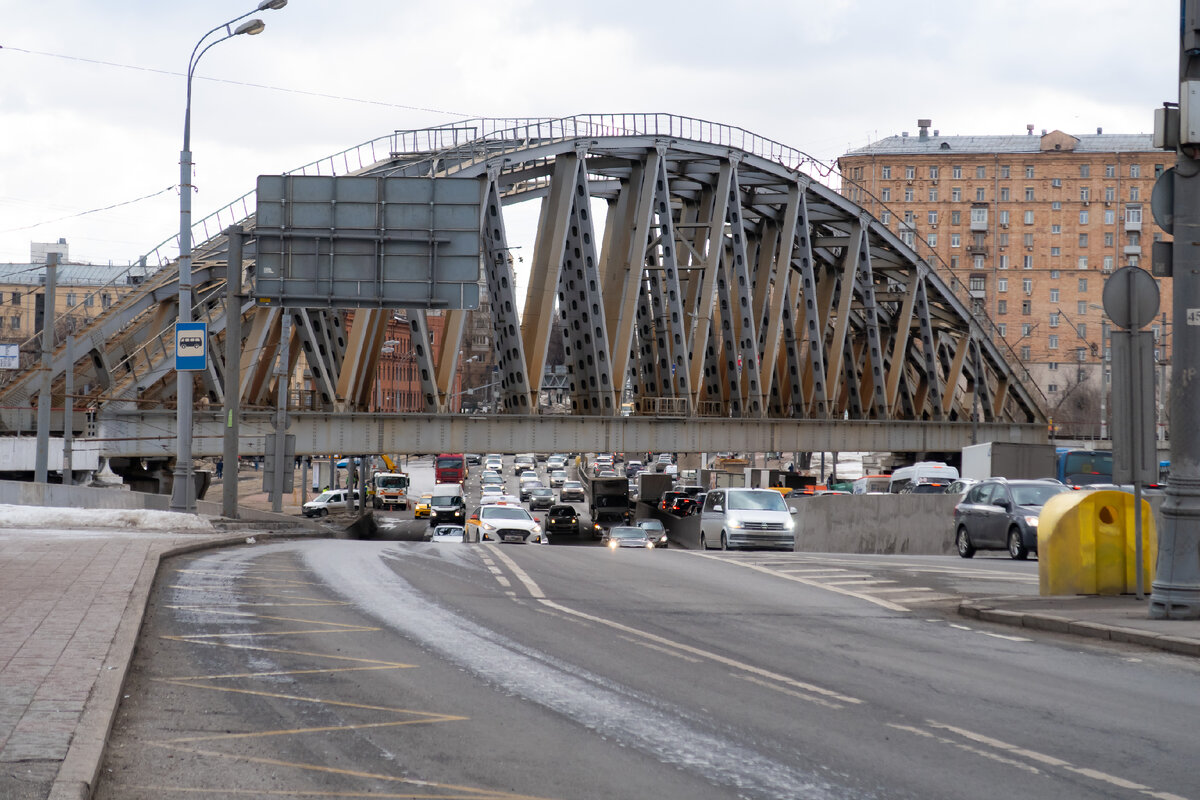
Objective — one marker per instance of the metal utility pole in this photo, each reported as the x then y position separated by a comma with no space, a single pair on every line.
69,414
1176,586
41,467
233,372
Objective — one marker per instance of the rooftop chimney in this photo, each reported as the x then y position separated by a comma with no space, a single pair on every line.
1043,131
1099,131
904,134
936,132
1029,129
923,128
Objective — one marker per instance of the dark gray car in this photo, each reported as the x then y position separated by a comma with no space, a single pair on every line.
1000,514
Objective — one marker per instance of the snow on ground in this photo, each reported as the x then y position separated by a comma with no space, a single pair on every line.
25,517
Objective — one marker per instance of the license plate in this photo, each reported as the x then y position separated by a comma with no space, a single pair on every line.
514,538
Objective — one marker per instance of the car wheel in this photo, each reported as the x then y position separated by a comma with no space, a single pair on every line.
963,542
324,512
724,542
703,542
1016,545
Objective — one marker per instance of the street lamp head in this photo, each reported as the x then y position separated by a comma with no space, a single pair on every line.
272,5
252,28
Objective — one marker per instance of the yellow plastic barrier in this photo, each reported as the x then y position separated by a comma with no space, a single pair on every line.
1086,544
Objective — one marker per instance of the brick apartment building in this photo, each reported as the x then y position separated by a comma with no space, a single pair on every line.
1027,228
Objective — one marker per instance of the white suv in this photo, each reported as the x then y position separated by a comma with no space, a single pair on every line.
503,523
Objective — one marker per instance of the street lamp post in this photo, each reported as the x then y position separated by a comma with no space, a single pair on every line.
183,497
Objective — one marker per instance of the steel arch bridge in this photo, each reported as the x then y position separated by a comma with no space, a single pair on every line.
726,290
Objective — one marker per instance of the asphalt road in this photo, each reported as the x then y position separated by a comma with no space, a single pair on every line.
422,670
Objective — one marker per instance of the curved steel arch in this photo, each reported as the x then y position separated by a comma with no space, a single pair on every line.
727,281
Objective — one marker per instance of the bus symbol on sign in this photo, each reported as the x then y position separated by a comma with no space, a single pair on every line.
190,350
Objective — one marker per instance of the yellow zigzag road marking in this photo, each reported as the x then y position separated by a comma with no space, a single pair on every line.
283,651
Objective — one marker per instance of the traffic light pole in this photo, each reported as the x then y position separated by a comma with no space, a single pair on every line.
1176,587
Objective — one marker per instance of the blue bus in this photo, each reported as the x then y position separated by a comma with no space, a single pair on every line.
1083,467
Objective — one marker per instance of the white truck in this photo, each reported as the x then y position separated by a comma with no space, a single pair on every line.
1007,460
390,490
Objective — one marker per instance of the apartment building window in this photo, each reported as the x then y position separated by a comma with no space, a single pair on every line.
1056,229
910,172
1108,263
1003,238
1055,205
1026,353
1053,274
1083,240
1158,170
1082,287
956,172
1028,217
1002,285
1110,170
16,298
932,239
1108,239
1056,183
1026,329
977,305
15,323
906,236
1081,354
1135,194
1005,171
105,300
1004,262
887,173
933,172
1085,194
1028,194
1052,341
1028,239
933,194
908,194
953,262
1083,262
89,300
978,283
956,194
979,215
1133,214
70,299
1001,306
933,217
1081,328
1085,171
1002,329
1110,217
1052,366
979,196
978,262
1052,388
1053,319
1054,295
1004,196
886,195
1110,194
1028,170
885,217
1083,216
1027,285
1135,170
981,172
1028,263
956,240
1055,251
1004,218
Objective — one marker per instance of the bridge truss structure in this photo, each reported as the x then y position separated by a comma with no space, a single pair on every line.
724,289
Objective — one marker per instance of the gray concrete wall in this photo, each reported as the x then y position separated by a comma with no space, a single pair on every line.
54,495
919,524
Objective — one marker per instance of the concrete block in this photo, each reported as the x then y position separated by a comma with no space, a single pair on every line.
1048,622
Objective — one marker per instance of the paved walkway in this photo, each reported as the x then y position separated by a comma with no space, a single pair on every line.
71,605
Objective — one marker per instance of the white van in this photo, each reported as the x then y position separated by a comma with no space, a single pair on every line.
331,499
448,506
732,518
923,473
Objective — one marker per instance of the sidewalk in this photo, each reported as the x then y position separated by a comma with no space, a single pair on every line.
71,606
1119,619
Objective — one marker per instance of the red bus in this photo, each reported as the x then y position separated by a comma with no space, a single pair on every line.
450,468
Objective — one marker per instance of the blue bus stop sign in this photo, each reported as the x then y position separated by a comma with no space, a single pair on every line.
191,345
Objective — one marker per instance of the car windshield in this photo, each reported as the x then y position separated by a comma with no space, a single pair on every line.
627,533
572,485
325,497
1030,495
756,501
445,499
539,491
391,481
504,512
651,524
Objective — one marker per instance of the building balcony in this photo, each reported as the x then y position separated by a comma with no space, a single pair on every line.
977,249
1132,250
1133,225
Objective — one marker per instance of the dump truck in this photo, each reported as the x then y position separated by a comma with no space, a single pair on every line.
390,491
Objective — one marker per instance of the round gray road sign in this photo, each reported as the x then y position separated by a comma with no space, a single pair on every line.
1131,298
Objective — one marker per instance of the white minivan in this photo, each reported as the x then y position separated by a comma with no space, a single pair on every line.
733,518
932,476
448,506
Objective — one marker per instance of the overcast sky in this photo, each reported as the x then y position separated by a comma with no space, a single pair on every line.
91,109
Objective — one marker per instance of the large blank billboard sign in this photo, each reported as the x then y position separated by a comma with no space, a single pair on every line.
367,242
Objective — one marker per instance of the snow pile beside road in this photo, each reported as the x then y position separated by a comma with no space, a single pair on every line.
12,516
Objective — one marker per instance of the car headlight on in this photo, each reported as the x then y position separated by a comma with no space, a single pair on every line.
735,522
537,528
1031,521
612,543
649,545
789,524
487,526
662,539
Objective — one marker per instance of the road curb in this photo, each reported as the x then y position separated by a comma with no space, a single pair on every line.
77,775
1055,623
